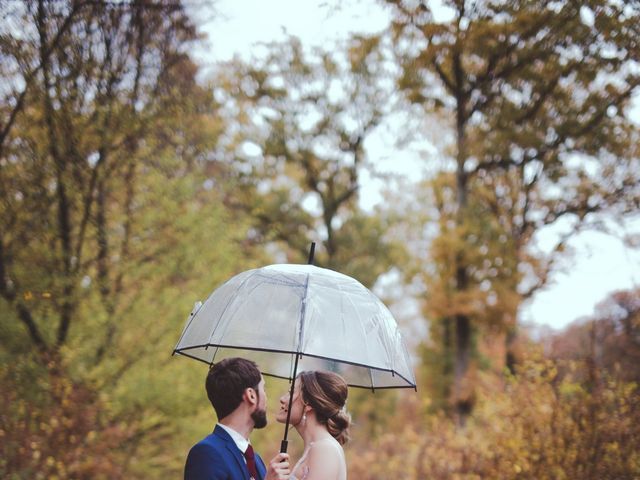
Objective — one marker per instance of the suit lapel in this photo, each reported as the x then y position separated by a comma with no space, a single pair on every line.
234,450
262,469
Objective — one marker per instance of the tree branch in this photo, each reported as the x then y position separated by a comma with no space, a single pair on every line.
61,193
30,76
447,82
9,294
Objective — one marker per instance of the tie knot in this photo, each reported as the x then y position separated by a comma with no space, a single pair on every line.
251,463
248,453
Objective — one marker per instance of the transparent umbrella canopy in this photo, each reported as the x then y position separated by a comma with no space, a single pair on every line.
290,318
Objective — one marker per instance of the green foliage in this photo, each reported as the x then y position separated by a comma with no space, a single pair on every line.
115,226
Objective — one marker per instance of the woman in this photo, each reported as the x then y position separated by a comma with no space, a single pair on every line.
318,414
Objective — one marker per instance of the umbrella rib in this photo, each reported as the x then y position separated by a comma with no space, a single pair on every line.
217,324
303,311
361,323
183,351
192,315
388,343
288,282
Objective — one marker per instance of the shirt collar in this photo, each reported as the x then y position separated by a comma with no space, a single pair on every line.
241,442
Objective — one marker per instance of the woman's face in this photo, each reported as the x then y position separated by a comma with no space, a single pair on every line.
297,406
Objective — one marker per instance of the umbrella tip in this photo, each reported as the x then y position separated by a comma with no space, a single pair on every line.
311,252
196,307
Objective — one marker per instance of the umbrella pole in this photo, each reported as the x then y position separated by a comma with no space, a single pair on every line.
285,442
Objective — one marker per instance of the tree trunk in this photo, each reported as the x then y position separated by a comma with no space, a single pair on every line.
463,328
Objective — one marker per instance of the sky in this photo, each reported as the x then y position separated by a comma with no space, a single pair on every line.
600,263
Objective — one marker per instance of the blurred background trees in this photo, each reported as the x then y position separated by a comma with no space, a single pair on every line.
298,124
534,95
130,187
104,128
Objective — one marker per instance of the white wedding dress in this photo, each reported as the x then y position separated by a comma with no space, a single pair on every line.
304,469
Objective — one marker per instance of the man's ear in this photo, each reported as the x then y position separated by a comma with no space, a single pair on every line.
250,395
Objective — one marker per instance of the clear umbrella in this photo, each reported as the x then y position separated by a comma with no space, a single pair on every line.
290,318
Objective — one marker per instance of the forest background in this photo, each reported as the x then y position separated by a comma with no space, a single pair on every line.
130,187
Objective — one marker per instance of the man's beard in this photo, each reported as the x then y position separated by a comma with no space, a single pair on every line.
259,418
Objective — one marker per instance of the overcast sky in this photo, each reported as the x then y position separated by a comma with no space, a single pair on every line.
601,263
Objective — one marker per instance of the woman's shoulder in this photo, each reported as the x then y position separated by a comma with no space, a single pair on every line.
326,450
325,460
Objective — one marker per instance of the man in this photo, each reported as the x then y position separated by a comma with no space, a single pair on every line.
235,388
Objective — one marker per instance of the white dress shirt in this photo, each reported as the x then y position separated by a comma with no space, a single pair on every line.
241,442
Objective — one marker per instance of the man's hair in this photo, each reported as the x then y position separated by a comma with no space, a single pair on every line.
226,382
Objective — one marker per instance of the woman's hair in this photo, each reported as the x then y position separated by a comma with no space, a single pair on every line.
326,393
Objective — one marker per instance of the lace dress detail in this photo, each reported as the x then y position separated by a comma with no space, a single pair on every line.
304,469
305,474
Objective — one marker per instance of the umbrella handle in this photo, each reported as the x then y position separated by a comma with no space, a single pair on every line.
285,443
283,446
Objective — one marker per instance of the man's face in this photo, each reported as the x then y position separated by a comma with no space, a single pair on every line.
259,415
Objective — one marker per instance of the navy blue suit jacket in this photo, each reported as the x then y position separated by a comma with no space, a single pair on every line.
217,457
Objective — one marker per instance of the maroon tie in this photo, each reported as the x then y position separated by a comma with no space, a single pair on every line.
251,463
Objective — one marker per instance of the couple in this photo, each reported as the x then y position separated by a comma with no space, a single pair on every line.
235,388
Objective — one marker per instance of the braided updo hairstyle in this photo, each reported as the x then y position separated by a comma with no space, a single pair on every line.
326,393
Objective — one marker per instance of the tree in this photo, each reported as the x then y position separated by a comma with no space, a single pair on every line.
21,66
109,217
69,170
301,122
607,343
536,96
